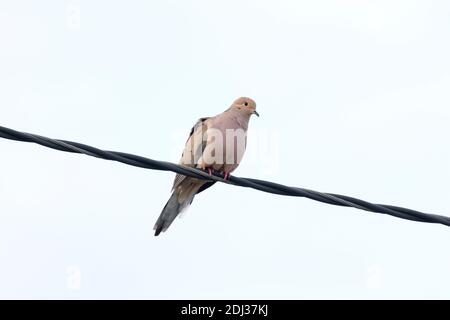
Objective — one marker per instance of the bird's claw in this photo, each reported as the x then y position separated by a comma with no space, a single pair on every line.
226,175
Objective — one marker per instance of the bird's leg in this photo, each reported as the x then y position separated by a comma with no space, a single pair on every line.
226,175
202,165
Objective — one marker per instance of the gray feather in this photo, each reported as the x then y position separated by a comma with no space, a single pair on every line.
171,210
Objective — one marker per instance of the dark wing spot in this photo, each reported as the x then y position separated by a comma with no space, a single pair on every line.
199,122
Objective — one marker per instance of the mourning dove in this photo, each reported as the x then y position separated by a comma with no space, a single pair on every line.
216,143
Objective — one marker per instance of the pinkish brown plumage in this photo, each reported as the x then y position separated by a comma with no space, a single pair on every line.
217,143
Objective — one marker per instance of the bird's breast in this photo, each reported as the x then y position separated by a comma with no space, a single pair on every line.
227,140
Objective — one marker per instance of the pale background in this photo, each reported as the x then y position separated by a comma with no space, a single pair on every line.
354,98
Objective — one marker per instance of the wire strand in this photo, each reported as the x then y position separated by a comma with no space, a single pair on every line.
261,185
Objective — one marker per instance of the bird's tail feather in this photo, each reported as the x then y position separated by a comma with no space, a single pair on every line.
181,198
168,214
171,210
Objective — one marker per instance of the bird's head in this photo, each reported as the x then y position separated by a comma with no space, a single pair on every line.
245,105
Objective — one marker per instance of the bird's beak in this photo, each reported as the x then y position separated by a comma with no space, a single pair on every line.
256,113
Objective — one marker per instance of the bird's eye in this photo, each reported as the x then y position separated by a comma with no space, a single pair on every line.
246,103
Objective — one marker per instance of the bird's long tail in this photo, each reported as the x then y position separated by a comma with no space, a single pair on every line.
168,214
178,201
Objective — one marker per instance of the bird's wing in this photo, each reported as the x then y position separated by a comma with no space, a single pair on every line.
193,150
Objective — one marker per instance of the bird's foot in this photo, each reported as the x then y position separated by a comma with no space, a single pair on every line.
202,166
226,175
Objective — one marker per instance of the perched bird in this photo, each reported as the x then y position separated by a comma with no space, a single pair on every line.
216,144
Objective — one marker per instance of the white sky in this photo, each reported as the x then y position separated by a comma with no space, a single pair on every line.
354,98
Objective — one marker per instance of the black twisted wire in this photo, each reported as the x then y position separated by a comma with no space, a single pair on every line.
261,185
